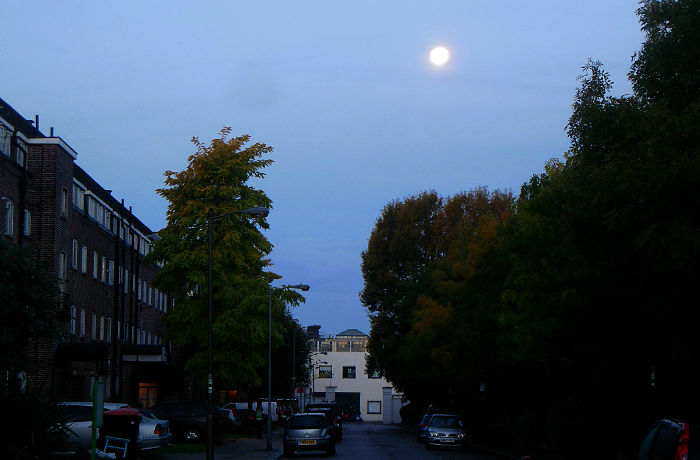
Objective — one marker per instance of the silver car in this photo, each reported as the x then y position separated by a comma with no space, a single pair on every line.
154,433
445,430
309,431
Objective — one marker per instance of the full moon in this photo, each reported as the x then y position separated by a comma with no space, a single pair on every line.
439,55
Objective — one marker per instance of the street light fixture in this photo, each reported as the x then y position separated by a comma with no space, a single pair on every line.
255,212
301,287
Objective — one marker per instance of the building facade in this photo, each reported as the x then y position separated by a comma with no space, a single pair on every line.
94,246
338,374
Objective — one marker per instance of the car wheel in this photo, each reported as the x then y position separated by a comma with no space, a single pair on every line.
331,449
193,434
289,453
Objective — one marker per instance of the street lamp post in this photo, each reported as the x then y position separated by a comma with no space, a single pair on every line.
301,287
255,212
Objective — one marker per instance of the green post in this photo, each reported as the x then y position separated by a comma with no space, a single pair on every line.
98,405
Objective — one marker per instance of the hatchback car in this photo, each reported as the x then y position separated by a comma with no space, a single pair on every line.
445,430
670,439
310,431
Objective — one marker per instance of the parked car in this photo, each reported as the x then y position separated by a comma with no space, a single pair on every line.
670,439
335,414
311,431
445,430
188,419
77,416
155,433
422,431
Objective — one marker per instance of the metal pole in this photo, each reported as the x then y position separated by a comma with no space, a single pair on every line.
210,381
294,361
269,372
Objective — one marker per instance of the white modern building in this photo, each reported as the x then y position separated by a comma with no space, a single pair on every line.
338,366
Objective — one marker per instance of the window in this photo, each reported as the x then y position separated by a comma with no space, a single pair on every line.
82,322
95,264
103,271
83,259
342,345
108,329
325,372
126,281
79,197
5,136
73,319
110,272
64,202
357,345
349,372
74,260
119,330
102,327
375,375
62,271
94,325
21,152
374,407
10,218
27,223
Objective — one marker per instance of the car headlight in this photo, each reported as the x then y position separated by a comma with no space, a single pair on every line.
433,435
460,435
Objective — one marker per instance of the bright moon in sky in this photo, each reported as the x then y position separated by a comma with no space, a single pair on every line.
439,55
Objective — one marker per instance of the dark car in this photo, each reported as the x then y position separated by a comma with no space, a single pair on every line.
188,419
422,431
670,439
311,431
335,415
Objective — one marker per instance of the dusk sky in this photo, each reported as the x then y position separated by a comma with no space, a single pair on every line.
344,92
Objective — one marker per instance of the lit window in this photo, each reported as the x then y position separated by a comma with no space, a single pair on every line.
325,372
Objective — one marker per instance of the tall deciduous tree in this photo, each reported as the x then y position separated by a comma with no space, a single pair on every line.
27,308
216,183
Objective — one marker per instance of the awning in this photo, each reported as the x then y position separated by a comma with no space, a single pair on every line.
83,352
144,353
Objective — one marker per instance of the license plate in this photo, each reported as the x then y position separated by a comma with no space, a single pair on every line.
448,440
307,442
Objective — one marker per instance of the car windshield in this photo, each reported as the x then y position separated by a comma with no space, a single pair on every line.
306,421
446,421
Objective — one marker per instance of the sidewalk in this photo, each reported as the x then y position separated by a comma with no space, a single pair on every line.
243,447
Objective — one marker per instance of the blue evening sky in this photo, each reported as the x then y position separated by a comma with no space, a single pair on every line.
343,91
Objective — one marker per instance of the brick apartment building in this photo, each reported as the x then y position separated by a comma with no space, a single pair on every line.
112,326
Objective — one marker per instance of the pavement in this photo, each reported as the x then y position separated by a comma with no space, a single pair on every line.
237,448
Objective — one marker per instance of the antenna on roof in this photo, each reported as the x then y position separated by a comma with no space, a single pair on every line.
36,124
